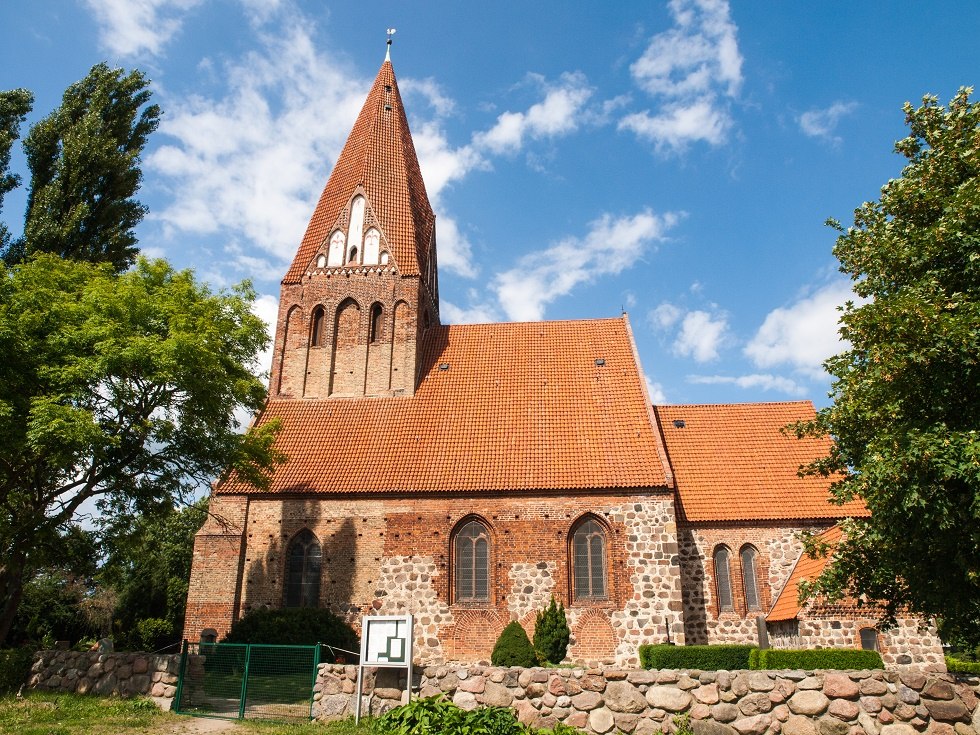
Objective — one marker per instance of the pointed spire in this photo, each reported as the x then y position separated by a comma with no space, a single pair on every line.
391,32
379,156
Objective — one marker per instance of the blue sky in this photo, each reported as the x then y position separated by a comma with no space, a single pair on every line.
673,159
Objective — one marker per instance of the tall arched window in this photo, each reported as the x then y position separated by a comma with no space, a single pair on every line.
316,328
472,562
589,561
723,578
377,323
302,588
750,578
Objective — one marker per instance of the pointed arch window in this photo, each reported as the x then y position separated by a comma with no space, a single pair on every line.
750,578
471,547
335,255
352,258
316,328
302,588
723,578
589,561
377,322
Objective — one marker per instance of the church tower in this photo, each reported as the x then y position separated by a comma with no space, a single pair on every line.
363,287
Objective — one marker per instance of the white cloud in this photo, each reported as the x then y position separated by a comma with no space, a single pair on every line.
664,316
431,91
701,335
803,334
557,114
822,123
266,308
131,27
680,124
690,67
755,381
477,313
655,390
611,245
250,164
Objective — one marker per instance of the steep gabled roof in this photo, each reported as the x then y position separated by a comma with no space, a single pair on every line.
519,406
787,605
733,462
380,157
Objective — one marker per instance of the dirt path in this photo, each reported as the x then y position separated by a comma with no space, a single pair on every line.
186,725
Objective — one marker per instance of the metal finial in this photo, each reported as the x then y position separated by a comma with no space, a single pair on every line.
390,32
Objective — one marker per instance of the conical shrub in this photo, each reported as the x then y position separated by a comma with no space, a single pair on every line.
551,633
513,648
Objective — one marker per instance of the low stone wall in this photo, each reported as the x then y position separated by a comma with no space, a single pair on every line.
122,674
719,702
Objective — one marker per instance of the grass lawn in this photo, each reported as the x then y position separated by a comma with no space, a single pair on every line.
74,714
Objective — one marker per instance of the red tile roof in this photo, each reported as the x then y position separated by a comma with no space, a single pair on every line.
380,156
787,605
732,462
521,407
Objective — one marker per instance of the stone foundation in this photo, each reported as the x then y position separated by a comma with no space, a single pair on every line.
641,702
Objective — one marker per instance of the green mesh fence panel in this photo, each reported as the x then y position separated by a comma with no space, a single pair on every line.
236,680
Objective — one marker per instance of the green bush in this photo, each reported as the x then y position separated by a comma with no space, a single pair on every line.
297,626
513,648
15,665
152,634
705,658
959,666
439,716
551,633
815,658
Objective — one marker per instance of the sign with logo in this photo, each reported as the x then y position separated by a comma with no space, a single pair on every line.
386,640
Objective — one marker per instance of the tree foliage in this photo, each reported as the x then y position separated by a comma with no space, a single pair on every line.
148,565
119,390
906,394
513,647
551,633
83,160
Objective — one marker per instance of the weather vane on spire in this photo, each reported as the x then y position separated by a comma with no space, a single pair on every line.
390,32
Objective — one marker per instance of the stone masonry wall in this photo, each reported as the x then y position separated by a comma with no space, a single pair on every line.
119,674
778,549
641,702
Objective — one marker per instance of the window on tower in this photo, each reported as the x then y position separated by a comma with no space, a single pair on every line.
302,588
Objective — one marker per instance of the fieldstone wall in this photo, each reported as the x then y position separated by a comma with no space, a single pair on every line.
640,702
120,674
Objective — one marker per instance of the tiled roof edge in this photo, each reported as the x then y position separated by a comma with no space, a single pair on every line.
651,416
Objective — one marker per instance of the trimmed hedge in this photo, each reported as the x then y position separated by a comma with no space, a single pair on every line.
705,658
15,666
809,659
958,666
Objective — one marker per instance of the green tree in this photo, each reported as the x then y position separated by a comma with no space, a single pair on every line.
551,633
906,394
119,390
513,648
148,565
84,168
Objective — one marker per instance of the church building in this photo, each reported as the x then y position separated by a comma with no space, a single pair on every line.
468,473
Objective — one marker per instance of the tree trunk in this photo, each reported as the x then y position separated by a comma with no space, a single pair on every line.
11,590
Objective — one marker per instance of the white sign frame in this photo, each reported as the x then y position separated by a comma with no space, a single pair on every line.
387,641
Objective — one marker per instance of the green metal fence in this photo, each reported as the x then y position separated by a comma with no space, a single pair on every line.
237,680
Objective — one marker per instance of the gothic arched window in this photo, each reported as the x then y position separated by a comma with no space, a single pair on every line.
471,547
589,561
723,578
302,588
316,328
750,578
377,322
